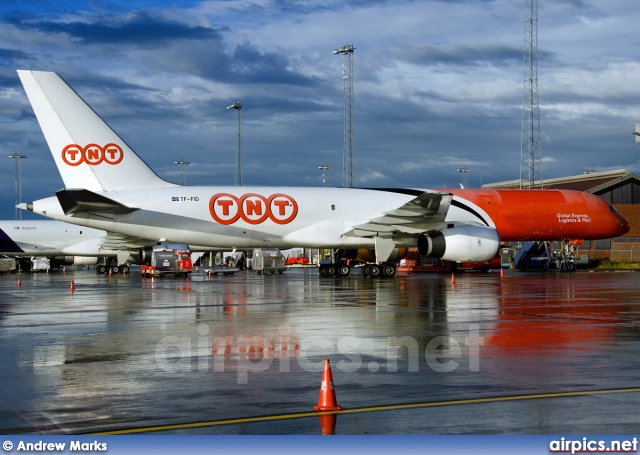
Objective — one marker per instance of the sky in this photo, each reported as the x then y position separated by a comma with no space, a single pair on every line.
438,86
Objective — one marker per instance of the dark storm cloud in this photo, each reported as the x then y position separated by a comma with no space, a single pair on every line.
245,64
458,55
8,56
139,28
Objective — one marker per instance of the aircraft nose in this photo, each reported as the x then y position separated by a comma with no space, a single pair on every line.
624,224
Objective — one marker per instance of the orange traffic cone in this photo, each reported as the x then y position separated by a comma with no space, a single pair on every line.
501,272
453,279
72,286
19,282
328,423
327,398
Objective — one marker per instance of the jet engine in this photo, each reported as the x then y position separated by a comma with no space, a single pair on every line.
74,260
461,244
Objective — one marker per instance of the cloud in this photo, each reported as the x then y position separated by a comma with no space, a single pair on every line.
438,86
136,29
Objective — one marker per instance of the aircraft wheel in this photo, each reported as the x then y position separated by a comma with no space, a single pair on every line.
125,269
343,270
101,269
115,269
388,270
365,270
374,270
571,267
330,270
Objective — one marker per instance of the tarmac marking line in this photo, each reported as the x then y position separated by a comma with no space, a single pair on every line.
392,407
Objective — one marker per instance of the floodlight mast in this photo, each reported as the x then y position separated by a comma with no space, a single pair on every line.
183,170
531,147
325,174
237,177
18,183
349,152
465,176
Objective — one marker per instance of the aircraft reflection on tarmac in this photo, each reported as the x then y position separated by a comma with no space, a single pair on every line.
221,341
505,315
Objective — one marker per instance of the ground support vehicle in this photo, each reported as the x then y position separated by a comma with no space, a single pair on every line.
168,259
267,260
8,265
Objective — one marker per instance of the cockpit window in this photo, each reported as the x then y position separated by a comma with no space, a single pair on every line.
613,209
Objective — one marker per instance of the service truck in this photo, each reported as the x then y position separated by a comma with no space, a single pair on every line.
168,259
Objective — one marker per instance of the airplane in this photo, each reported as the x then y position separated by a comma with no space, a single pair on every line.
109,187
66,244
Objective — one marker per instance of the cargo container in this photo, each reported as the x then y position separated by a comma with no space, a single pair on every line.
267,260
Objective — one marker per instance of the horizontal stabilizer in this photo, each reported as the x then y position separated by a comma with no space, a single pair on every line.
79,200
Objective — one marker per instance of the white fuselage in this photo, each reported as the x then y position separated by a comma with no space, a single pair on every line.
240,217
50,238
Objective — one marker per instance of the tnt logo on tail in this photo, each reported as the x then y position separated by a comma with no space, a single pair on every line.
92,154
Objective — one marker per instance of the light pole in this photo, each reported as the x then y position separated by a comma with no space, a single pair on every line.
325,174
183,171
18,157
349,151
237,178
465,176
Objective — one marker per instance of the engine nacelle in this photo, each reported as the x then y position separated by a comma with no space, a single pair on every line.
461,244
74,260
85,260
144,256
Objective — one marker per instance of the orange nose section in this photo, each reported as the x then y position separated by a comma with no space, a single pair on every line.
623,225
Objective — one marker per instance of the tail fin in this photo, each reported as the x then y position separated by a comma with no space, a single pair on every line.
88,153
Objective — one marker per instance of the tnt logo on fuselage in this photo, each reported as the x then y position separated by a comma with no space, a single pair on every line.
252,208
92,154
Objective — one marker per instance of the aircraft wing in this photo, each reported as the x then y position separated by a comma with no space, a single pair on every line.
426,212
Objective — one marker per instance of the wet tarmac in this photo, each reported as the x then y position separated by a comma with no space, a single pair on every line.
527,353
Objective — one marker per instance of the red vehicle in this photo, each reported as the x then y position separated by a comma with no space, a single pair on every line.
415,263
302,259
168,259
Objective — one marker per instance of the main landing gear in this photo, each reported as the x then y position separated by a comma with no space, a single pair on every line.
342,269
112,267
387,270
329,270
339,267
